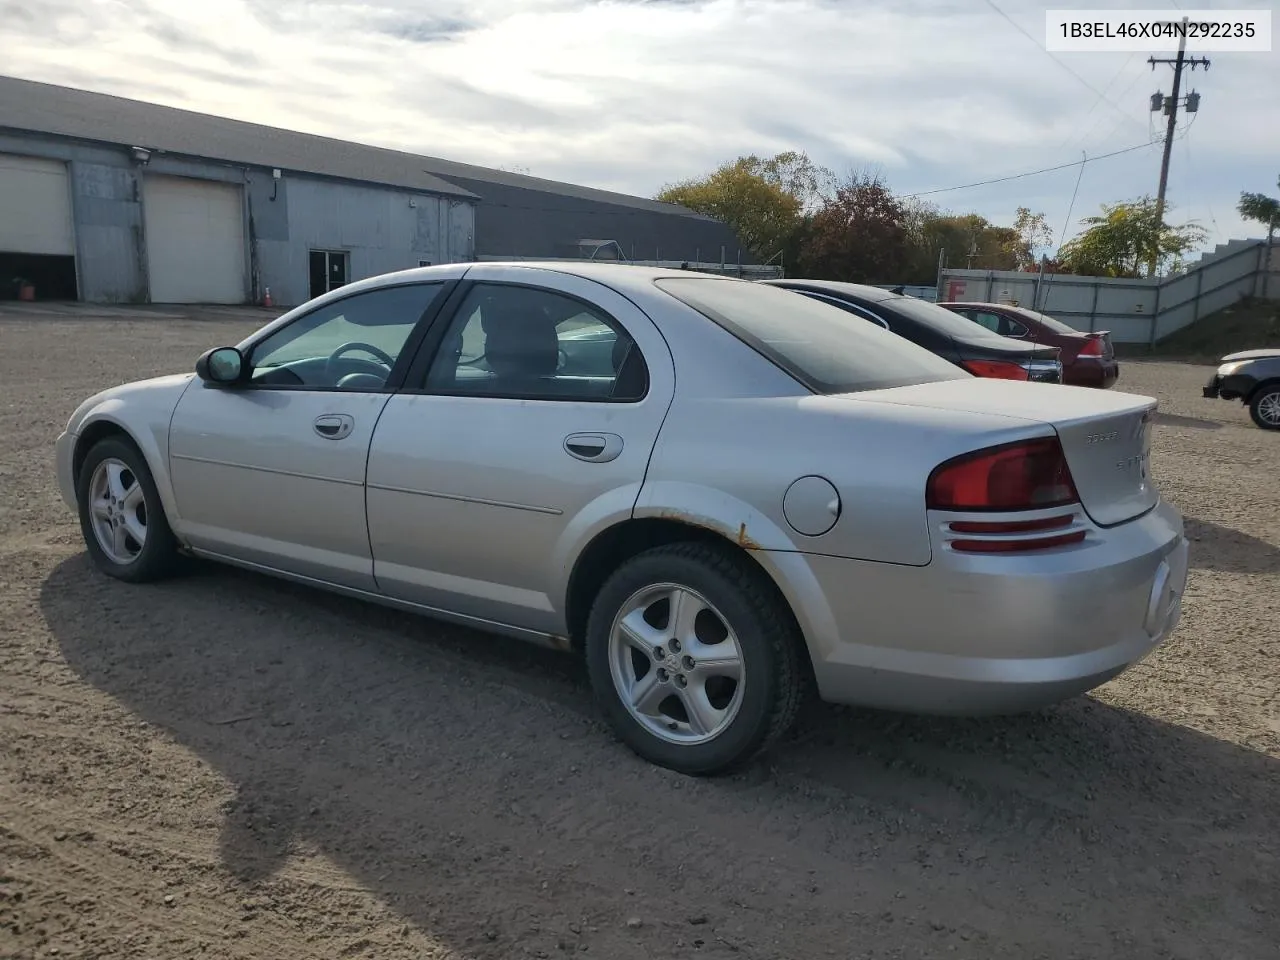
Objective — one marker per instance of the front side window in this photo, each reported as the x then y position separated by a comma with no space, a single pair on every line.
525,342
350,344
813,341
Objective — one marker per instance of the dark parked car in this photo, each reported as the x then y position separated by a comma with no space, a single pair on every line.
1088,359
969,346
1253,377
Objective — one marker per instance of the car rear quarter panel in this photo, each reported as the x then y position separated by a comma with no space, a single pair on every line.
726,464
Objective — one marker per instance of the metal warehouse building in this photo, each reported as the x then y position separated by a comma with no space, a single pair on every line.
105,199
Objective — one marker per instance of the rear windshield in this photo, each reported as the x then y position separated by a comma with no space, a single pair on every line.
820,345
1057,326
941,319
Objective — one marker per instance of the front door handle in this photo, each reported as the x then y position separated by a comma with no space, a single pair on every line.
593,447
334,426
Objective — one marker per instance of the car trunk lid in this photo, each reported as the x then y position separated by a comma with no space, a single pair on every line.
1105,435
1104,338
1004,348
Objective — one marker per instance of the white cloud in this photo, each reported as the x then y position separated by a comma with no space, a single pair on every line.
629,95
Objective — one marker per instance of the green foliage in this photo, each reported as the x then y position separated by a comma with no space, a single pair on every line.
788,209
1125,237
765,201
1261,209
1032,233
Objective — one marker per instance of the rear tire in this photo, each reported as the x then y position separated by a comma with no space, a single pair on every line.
731,683
121,517
1264,407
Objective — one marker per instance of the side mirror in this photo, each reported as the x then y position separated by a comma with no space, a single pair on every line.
221,366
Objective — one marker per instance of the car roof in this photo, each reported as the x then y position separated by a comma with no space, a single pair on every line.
622,277
976,303
862,290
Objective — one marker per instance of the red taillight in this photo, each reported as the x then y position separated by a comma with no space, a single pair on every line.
999,369
1026,475
1091,348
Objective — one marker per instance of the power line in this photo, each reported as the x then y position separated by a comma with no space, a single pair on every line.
1102,96
1072,206
1082,135
1094,106
1031,173
1124,93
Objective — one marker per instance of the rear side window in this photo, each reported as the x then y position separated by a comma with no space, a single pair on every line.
820,345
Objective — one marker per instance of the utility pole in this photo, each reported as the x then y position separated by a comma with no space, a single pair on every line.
1170,106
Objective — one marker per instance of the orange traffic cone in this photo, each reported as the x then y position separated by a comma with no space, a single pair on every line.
266,297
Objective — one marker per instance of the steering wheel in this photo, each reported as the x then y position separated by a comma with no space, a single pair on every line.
383,358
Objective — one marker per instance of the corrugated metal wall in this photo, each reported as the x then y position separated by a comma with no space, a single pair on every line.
383,229
106,212
516,221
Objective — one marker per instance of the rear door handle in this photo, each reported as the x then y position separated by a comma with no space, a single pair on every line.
334,426
593,447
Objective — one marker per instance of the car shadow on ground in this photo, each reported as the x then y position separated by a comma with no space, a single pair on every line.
1194,423
1227,550
465,781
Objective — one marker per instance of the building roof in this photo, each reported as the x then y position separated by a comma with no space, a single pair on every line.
27,105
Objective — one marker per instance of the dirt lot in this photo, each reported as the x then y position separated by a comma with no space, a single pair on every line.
225,766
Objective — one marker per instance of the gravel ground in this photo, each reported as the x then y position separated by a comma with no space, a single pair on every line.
226,766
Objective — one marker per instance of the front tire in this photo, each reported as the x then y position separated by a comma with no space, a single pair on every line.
121,517
1265,407
694,658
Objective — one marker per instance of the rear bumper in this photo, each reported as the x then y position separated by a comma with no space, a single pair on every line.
969,634
1091,373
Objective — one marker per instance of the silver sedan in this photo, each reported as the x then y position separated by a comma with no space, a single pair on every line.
725,495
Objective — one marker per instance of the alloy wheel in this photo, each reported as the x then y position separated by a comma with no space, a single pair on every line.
118,511
676,664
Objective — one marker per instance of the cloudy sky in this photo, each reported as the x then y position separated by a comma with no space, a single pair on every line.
632,94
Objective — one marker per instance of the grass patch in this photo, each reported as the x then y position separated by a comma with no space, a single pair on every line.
1248,325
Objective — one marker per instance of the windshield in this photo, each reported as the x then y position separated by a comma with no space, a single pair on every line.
818,344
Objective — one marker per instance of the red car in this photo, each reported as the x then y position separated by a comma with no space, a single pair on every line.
1088,359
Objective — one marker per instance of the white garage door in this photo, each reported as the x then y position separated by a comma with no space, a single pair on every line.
195,241
35,206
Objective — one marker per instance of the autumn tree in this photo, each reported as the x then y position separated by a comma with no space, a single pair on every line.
765,201
859,235
1031,233
1261,209
1125,237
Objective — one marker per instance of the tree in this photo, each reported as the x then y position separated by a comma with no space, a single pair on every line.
1262,209
859,235
764,200
793,171
1032,233
969,240
1124,237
